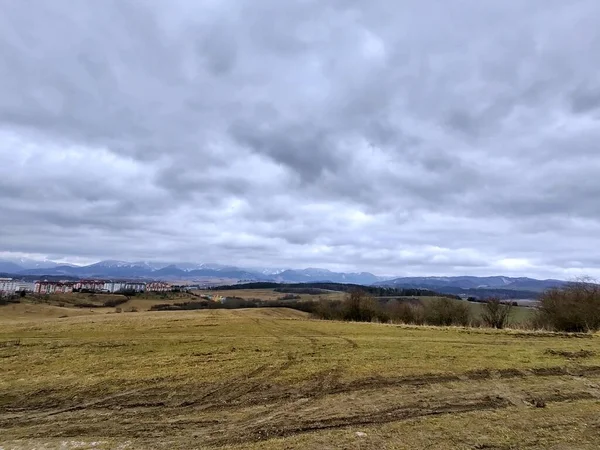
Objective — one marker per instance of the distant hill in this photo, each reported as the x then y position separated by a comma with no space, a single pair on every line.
35,277
496,286
18,264
10,267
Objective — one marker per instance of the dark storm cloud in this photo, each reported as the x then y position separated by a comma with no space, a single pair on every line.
422,137
585,99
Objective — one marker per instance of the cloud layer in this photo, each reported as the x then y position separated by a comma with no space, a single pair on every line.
426,137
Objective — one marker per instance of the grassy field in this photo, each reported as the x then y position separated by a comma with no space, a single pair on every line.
274,379
73,304
269,294
519,314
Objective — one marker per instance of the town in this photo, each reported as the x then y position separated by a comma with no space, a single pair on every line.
12,286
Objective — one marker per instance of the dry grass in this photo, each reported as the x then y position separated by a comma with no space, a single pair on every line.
73,304
275,379
269,294
30,311
144,302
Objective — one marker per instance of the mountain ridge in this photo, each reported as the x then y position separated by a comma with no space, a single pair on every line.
194,271
473,282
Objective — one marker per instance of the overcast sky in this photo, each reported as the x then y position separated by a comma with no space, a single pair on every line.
398,137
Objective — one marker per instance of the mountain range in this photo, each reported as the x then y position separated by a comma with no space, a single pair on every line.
144,269
234,274
442,284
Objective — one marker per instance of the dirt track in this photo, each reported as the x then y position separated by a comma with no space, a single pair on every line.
253,409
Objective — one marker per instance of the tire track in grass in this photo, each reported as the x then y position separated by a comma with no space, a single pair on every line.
285,426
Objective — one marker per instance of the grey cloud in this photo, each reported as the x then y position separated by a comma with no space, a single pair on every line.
421,137
585,99
304,148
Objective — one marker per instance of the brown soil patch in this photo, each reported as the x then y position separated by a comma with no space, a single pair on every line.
571,355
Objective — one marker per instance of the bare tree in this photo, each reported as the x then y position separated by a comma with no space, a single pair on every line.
496,313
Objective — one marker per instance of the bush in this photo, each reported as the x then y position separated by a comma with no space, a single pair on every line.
127,292
405,312
445,312
290,297
571,308
496,313
360,307
5,299
111,303
382,315
329,310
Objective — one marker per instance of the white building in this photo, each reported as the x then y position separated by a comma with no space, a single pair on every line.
27,286
53,287
10,286
158,286
7,285
135,286
114,286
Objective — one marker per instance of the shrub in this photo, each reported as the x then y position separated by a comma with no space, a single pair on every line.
571,308
405,312
381,314
328,310
111,303
446,311
359,307
5,299
290,297
476,322
496,313
127,292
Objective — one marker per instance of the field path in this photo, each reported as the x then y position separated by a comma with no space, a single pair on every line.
254,378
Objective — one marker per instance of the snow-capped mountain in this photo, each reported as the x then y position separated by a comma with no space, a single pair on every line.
467,282
28,263
116,269
315,274
10,267
200,266
272,271
160,270
111,264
